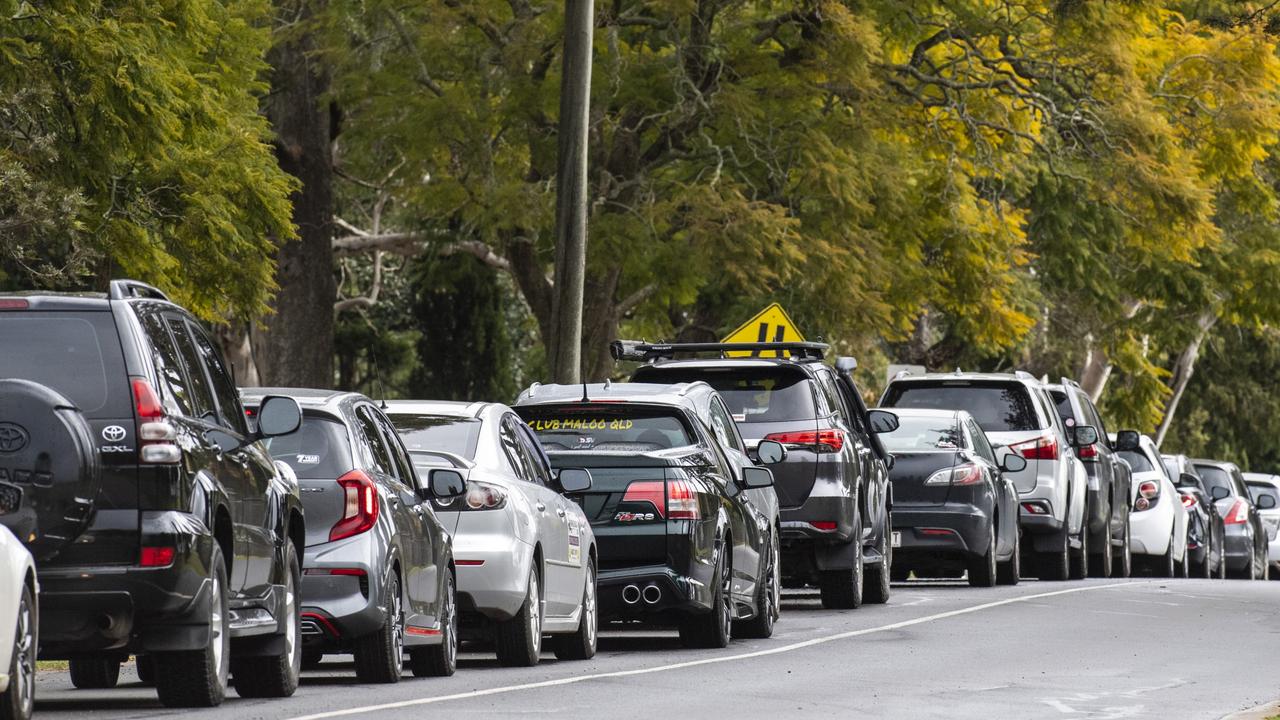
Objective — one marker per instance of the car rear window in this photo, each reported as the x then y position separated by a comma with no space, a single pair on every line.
1257,490
923,434
76,354
456,435
1215,477
614,428
319,450
1137,461
998,407
752,394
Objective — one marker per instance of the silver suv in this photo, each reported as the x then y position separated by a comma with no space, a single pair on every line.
1016,411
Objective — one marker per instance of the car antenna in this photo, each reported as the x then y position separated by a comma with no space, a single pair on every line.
377,377
584,393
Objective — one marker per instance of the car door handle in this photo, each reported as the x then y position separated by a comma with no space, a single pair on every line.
541,507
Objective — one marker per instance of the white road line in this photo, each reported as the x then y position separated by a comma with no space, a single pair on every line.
705,661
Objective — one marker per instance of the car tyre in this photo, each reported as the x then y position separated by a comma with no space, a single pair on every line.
1055,565
841,589
1100,563
519,640
714,629
379,655
1122,563
276,676
94,672
982,570
876,588
1163,566
768,597
198,678
1080,558
145,666
1010,571
581,645
440,660
18,701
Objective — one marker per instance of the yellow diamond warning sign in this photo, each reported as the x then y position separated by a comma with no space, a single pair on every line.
771,324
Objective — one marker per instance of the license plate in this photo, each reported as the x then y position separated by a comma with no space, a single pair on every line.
896,539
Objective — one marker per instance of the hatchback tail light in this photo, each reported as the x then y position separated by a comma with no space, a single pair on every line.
819,441
1148,494
671,499
156,435
1044,447
360,506
484,496
963,474
1238,514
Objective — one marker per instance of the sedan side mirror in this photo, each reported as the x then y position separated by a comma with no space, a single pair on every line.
771,452
278,415
574,480
883,421
446,484
1128,440
1266,502
1084,435
756,477
1012,463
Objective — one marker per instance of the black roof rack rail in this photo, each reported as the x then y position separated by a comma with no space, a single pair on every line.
645,352
125,289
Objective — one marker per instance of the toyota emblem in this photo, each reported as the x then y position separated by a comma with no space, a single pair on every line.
113,433
12,438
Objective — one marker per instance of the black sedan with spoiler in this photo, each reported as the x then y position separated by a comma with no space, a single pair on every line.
686,525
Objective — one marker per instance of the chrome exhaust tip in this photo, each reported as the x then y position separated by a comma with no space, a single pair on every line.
631,594
652,594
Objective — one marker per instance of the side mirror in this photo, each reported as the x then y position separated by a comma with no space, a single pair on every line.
1187,480
1266,502
1219,493
1128,440
883,421
574,480
446,484
1084,435
771,452
757,477
1013,462
278,415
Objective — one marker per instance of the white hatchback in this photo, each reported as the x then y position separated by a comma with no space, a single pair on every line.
1158,521
18,593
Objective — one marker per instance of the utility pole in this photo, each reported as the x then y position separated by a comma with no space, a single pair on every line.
571,192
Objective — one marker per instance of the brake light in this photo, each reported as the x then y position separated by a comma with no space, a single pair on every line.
1044,447
146,404
156,556
819,441
1149,489
823,525
1188,501
1239,513
672,500
360,507
156,436
963,474
653,492
343,572
1087,452
483,496
13,304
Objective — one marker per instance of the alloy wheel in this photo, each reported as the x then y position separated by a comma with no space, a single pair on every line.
535,612
24,685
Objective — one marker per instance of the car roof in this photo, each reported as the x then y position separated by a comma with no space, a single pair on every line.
446,408
1221,464
306,397
1017,376
677,394
1262,478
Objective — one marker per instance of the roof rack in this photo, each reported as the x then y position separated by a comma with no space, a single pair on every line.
125,289
1023,375
645,352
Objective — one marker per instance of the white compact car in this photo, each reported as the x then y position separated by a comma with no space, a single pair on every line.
1158,520
1265,491
18,593
525,553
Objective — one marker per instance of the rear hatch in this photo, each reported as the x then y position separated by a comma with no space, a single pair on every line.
912,469
72,345
1004,410
319,453
774,401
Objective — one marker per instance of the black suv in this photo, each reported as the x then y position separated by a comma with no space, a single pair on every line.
834,485
1109,497
162,527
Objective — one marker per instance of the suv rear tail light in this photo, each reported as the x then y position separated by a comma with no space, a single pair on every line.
156,436
819,441
1188,501
360,508
1035,507
823,525
1044,447
1087,452
156,556
1238,514
963,474
672,499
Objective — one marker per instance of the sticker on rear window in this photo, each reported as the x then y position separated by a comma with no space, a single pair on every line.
581,423
308,459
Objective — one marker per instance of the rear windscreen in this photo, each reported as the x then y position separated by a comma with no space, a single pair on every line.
319,450
923,434
439,432
753,395
998,407
1215,477
77,355
1138,461
604,428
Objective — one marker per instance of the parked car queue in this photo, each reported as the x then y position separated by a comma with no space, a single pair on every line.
273,527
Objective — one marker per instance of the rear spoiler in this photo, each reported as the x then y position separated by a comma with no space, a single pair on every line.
646,352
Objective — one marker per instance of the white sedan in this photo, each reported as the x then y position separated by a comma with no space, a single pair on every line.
18,592
1158,520
525,554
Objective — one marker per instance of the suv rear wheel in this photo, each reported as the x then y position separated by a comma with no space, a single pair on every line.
18,701
380,655
277,675
876,589
1122,564
198,678
841,589
1055,564
94,672
1100,563
1080,557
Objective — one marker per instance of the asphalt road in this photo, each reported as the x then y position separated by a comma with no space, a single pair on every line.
1167,649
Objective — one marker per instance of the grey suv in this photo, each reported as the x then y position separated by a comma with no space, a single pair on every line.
834,484
1016,411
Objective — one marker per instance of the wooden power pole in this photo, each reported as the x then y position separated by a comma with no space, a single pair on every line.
571,192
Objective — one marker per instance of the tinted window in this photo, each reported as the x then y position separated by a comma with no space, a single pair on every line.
404,468
923,434
1215,477
724,427
752,395
199,394
1171,468
318,450
997,407
620,428
230,410
1137,460
980,443
373,440
172,378
79,356
1063,403
438,432
1258,490
535,459
510,440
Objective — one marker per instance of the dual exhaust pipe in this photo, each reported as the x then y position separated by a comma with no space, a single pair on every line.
632,594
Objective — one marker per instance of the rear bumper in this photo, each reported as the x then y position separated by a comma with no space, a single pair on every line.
128,608
495,588
950,529
622,593
1152,529
797,523
339,608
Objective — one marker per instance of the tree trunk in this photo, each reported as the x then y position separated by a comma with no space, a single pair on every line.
1097,370
1183,370
294,346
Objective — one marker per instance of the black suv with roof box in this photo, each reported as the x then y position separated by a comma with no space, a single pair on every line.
834,484
162,527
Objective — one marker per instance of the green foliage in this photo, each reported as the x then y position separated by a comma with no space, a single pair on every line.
131,144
